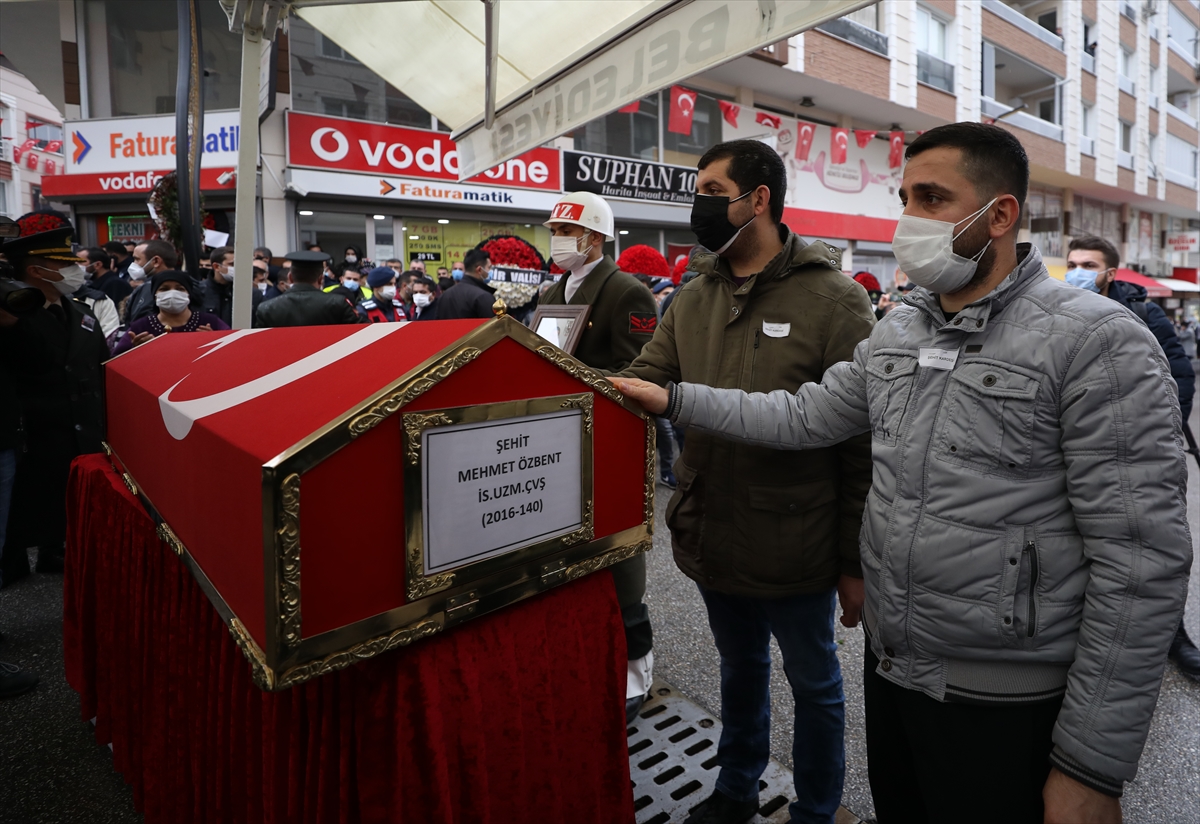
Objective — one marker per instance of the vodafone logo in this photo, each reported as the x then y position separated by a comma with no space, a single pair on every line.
341,145
130,182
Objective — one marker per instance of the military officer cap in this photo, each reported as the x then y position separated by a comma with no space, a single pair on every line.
44,234
306,257
307,266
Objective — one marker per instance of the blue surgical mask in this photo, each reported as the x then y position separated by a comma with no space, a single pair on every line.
457,274
487,275
1083,279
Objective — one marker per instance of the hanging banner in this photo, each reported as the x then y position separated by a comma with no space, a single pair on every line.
628,178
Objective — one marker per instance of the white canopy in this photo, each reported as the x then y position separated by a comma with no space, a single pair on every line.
558,63
1176,285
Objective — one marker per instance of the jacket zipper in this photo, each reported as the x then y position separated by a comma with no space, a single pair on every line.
753,361
1031,616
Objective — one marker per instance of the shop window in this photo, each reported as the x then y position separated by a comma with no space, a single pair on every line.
326,79
334,231
443,242
1043,210
132,54
636,235
623,134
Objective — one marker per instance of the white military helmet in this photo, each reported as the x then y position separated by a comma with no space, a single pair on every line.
583,209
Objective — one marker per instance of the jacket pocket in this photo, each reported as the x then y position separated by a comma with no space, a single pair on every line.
793,534
685,510
988,418
890,379
1024,615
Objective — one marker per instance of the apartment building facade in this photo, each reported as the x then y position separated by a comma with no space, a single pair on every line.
1103,93
31,142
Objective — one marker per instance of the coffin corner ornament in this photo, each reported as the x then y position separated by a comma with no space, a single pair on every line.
484,484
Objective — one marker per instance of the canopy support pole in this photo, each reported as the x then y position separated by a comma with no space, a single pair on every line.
491,48
247,180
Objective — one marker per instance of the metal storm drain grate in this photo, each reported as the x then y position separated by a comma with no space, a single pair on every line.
673,764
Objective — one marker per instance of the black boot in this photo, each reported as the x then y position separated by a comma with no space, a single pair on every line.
1184,653
15,681
719,808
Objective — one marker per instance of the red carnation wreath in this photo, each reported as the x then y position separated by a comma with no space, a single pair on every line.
680,268
644,260
41,221
510,250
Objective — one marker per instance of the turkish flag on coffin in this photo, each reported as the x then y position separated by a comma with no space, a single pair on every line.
804,139
683,108
896,151
839,140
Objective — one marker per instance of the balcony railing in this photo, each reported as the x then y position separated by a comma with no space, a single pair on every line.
934,71
1125,159
1028,122
1007,12
1183,51
857,34
1087,62
1087,146
1181,179
1180,115
1126,85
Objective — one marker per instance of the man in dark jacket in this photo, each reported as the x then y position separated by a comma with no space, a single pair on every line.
621,321
472,298
55,358
103,277
382,306
767,535
149,259
216,292
304,304
1092,264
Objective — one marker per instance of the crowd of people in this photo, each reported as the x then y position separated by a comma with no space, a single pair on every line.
992,479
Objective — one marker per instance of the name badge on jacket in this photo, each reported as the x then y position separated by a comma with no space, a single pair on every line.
939,358
776,330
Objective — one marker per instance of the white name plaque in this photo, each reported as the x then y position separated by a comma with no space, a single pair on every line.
496,486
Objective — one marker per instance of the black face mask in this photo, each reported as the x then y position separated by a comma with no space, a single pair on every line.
710,222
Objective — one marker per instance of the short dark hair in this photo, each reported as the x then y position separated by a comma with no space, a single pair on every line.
307,271
1092,243
426,280
97,255
115,247
752,164
264,250
164,250
992,157
390,261
473,258
218,254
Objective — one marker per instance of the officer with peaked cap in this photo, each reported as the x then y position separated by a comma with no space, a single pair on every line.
304,304
53,360
622,321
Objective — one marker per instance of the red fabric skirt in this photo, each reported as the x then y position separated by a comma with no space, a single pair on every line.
514,717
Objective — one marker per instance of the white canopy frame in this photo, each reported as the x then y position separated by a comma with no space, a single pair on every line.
518,83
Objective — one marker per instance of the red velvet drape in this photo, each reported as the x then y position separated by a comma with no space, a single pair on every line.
513,717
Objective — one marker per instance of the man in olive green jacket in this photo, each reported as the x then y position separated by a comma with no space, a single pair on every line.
768,535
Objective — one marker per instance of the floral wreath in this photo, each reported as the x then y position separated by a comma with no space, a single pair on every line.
644,260
42,221
510,250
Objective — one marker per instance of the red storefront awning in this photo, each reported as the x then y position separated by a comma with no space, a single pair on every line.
1153,288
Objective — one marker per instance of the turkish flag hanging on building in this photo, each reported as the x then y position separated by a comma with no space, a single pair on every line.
863,137
631,108
804,139
768,120
896,150
730,112
683,108
839,142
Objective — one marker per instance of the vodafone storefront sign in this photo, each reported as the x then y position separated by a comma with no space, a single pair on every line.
319,142
60,186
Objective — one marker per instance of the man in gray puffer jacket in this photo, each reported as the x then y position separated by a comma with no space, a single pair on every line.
1025,545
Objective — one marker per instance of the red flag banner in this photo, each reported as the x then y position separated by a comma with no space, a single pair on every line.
632,108
768,120
896,149
804,139
730,112
683,108
864,137
839,141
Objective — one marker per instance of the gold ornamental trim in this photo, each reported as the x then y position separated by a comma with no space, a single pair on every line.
651,478
263,676
359,652
581,373
584,403
414,425
288,560
168,537
587,532
419,584
410,390
599,562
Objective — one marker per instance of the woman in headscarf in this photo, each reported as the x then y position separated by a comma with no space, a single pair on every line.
174,296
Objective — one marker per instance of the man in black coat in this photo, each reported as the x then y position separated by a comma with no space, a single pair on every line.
304,304
471,297
54,357
103,277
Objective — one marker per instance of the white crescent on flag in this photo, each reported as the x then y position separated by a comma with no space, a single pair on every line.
687,103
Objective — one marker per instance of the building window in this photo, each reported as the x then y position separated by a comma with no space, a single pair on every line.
686,149
4,207
1182,33
1128,65
132,55
1126,137
1181,158
862,28
325,79
1152,149
43,132
1043,210
931,34
623,134
1085,121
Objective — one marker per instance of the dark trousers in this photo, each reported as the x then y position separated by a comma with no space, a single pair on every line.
629,578
935,762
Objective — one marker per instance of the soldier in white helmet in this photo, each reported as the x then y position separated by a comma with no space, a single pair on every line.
622,321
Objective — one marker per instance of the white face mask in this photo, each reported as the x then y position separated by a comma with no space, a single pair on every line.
172,301
72,276
262,287
387,292
352,258
228,273
421,299
136,272
565,252
924,251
